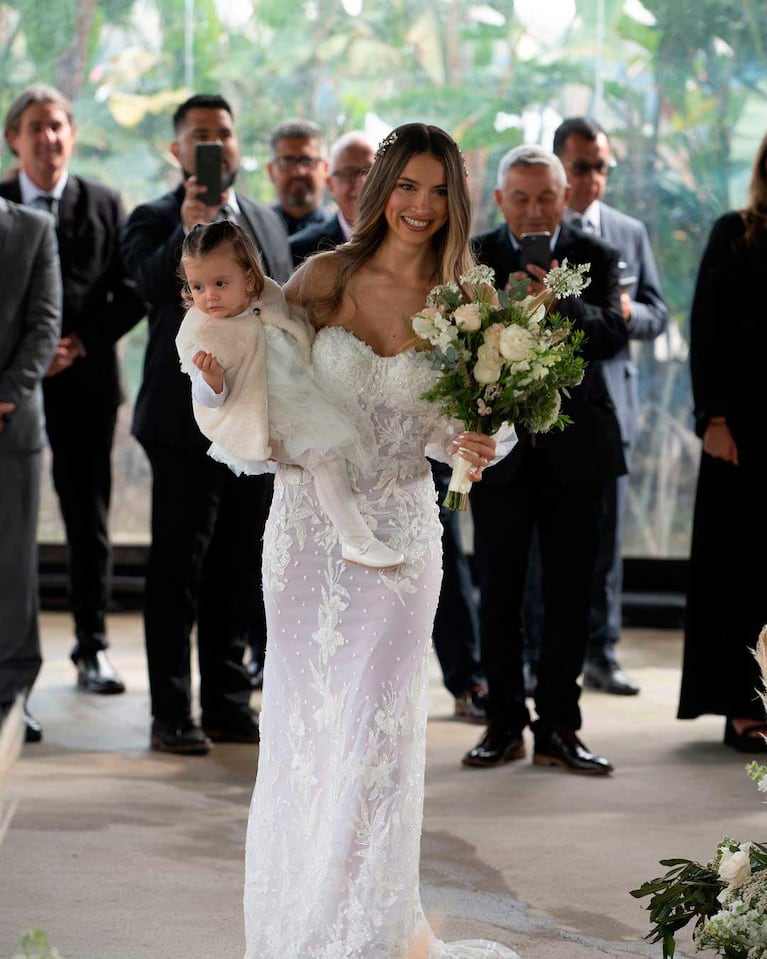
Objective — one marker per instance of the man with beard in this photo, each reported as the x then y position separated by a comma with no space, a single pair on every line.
205,556
299,172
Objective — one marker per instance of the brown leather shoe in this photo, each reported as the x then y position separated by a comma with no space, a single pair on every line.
497,746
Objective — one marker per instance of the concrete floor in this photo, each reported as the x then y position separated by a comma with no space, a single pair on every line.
119,853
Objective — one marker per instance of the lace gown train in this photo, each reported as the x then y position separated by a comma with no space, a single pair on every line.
334,833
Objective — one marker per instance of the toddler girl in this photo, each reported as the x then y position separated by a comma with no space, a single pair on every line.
254,393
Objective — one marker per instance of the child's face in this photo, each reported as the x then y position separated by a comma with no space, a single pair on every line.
218,284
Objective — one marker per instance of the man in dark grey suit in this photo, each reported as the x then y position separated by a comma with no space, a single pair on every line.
553,482
584,149
81,389
207,523
30,319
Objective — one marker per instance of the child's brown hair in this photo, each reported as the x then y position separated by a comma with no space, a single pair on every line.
207,237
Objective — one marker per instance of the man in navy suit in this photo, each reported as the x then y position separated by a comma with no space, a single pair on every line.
82,386
30,323
584,149
350,159
552,482
205,556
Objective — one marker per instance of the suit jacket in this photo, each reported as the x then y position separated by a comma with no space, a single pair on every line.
649,313
152,249
315,238
295,224
30,320
100,299
590,449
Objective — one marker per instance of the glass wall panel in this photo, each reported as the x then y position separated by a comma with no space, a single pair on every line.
680,85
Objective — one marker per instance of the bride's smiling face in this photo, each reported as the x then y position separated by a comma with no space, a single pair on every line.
417,207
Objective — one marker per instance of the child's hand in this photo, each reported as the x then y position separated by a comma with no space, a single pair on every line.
212,371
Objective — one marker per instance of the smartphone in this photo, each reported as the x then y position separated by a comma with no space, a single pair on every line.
534,248
207,169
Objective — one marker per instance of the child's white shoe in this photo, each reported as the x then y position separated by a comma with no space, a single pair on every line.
372,553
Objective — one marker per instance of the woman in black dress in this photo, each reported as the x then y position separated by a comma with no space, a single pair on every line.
727,599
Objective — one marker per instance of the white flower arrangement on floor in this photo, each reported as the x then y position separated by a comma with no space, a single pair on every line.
502,356
727,897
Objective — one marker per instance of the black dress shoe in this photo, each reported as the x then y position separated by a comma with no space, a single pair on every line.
610,678
497,746
244,730
751,740
183,738
563,748
95,674
33,731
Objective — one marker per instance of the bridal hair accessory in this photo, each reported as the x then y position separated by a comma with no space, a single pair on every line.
500,356
384,145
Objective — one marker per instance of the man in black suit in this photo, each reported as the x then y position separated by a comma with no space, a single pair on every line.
350,159
205,557
298,171
82,387
552,482
30,321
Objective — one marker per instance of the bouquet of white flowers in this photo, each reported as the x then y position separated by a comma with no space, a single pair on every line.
727,897
503,358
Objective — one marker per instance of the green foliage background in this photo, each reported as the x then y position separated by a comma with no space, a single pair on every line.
679,84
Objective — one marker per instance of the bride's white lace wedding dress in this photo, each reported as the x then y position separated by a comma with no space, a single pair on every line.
335,824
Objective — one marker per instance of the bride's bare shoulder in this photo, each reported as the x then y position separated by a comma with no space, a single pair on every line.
314,280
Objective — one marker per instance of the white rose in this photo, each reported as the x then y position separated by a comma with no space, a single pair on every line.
735,867
516,343
492,336
468,317
488,366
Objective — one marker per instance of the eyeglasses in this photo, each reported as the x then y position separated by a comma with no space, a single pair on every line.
286,162
351,174
583,167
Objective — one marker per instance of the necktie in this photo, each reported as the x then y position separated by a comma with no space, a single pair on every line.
226,213
579,223
46,202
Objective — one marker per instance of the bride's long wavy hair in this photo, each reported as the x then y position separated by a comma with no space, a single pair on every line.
451,243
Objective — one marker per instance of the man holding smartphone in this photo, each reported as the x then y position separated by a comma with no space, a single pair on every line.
551,482
205,556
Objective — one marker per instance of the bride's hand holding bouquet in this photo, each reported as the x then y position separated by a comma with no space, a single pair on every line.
502,358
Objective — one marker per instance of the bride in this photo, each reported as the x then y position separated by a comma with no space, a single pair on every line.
334,832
